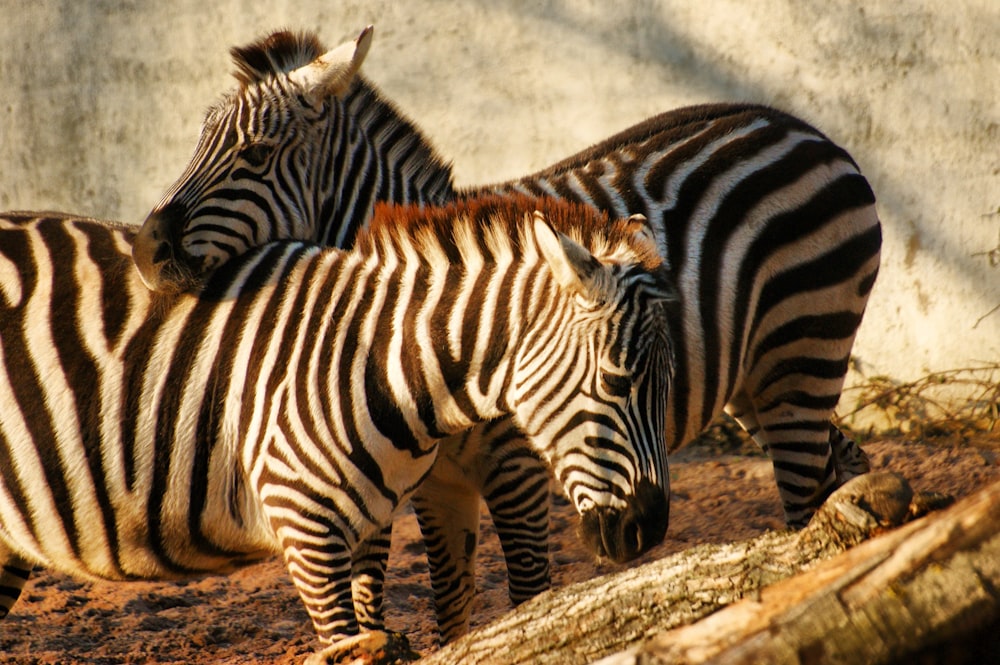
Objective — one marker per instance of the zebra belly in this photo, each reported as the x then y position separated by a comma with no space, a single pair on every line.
130,550
61,510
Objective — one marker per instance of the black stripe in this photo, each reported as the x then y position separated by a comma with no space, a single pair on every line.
832,326
455,371
800,398
833,267
499,335
29,389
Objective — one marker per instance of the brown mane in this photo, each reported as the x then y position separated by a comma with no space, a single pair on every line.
585,224
278,53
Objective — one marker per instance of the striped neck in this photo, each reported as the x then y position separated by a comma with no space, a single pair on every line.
372,154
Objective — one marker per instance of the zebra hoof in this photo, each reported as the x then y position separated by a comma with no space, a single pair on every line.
374,648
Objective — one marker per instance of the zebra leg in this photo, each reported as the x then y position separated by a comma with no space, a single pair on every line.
495,461
447,508
849,459
320,560
517,493
321,574
740,408
368,564
798,441
13,576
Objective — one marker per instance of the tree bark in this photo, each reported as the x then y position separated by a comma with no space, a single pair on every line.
583,622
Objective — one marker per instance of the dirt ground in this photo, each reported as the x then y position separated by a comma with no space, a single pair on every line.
254,616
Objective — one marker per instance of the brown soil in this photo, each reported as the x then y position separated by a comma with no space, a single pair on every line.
254,616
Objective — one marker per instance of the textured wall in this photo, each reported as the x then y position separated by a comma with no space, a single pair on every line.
101,101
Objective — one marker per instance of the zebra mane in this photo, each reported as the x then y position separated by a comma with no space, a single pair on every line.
667,129
506,215
278,53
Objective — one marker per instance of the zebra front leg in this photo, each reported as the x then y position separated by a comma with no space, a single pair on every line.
13,576
447,508
368,566
517,493
320,560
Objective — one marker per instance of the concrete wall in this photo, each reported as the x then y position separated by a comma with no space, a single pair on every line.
101,101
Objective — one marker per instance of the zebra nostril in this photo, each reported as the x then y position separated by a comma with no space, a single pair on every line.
163,253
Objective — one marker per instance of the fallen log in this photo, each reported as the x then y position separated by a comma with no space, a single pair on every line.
583,622
928,592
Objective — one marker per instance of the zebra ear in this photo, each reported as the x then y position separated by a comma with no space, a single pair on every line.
640,227
332,72
642,231
574,267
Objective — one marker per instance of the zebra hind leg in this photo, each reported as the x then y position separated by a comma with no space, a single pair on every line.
13,576
849,459
800,443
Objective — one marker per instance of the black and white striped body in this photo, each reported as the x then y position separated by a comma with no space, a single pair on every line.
772,236
292,404
753,210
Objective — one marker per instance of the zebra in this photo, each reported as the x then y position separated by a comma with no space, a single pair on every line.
745,202
297,399
295,104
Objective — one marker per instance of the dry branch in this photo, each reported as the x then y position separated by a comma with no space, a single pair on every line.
583,622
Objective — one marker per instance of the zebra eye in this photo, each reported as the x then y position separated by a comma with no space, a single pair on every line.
256,154
616,385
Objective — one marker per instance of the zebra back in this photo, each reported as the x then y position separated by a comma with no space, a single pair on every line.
733,193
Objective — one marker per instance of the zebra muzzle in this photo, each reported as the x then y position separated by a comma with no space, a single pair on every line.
155,250
623,534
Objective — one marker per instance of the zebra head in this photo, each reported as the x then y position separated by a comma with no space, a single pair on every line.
292,153
599,403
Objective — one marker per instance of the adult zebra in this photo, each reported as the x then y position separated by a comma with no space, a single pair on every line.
768,226
298,111
296,400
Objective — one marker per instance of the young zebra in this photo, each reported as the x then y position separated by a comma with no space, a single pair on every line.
746,203
297,400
